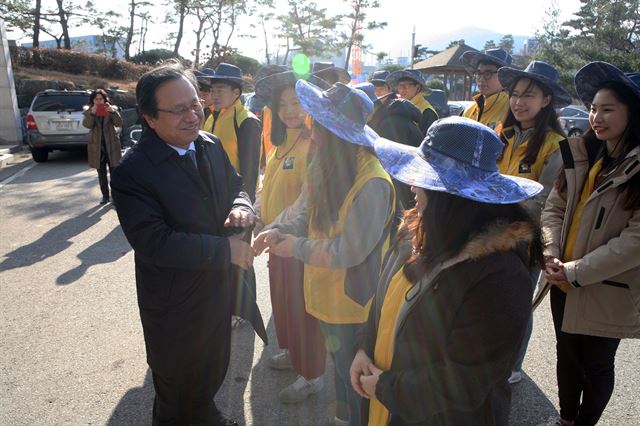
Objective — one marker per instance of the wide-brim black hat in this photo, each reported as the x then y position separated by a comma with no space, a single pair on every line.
268,87
500,57
228,73
326,70
592,76
542,73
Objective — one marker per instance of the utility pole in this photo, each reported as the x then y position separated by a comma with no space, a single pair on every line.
413,45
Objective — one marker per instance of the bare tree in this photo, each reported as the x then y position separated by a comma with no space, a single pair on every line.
223,23
355,25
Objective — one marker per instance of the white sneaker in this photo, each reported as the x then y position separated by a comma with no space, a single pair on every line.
515,377
337,421
281,361
299,390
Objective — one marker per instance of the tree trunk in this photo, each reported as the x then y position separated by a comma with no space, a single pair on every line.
183,12
266,44
64,25
36,24
127,44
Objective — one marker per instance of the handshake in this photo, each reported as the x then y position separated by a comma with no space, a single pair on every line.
242,253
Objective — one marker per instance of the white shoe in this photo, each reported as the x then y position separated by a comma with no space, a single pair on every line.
299,390
515,377
337,421
281,361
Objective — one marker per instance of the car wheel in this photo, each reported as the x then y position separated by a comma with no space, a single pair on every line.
574,133
39,155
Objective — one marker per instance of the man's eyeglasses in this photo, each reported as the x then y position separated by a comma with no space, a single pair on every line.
484,74
196,107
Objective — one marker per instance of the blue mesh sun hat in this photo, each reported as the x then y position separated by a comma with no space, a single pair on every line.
541,72
458,156
592,76
266,88
341,109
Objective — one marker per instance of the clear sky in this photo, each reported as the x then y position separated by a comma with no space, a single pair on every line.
430,18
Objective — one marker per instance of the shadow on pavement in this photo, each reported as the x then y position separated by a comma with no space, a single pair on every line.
58,167
111,248
53,241
230,397
135,406
529,405
266,383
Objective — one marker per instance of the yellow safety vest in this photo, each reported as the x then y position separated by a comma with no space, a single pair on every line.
511,162
226,127
385,339
422,103
324,293
284,175
496,108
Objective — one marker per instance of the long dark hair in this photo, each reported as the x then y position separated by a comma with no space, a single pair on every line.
97,92
278,128
449,222
330,176
630,139
545,119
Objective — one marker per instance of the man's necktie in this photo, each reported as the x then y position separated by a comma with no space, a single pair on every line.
192,154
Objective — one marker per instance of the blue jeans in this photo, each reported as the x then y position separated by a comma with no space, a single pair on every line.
340,341
534,274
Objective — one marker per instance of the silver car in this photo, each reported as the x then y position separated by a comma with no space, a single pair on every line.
574,119
54,121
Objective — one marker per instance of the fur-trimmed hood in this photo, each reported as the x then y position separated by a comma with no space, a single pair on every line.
498,237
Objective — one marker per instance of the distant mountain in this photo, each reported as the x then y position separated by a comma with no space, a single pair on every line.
472,36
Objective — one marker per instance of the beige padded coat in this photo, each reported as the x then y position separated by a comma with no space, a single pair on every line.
111,121
604,297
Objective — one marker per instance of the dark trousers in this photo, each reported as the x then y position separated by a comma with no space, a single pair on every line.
585,368
296,329
102,176
185,396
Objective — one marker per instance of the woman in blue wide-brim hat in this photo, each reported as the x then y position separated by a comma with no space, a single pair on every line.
453,298
342,233
591,222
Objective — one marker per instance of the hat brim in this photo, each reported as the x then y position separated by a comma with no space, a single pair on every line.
471,59
244,84
590,78
323,111
438,172
266,88
508,75
378,81
395,77
343,75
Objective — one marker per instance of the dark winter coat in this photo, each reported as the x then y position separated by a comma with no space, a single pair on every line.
173,216
458,335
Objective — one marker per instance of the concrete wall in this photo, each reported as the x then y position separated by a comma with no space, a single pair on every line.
10,127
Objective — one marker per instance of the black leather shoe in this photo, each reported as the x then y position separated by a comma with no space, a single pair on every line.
225,421
105,200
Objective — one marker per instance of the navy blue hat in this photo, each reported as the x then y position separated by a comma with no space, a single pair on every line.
329,72
379,78
592,76
228,73
498,56
414,75
541,72
341,109
266,88
369,90
458,156
268,70
204,73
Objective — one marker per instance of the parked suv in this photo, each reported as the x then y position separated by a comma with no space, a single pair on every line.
54,121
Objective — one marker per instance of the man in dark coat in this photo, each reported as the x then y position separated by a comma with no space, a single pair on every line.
177,198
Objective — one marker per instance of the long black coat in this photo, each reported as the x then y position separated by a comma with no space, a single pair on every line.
173,215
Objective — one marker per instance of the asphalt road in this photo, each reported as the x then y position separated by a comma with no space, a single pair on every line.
71,346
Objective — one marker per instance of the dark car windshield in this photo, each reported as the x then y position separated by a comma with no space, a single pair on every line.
68,103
